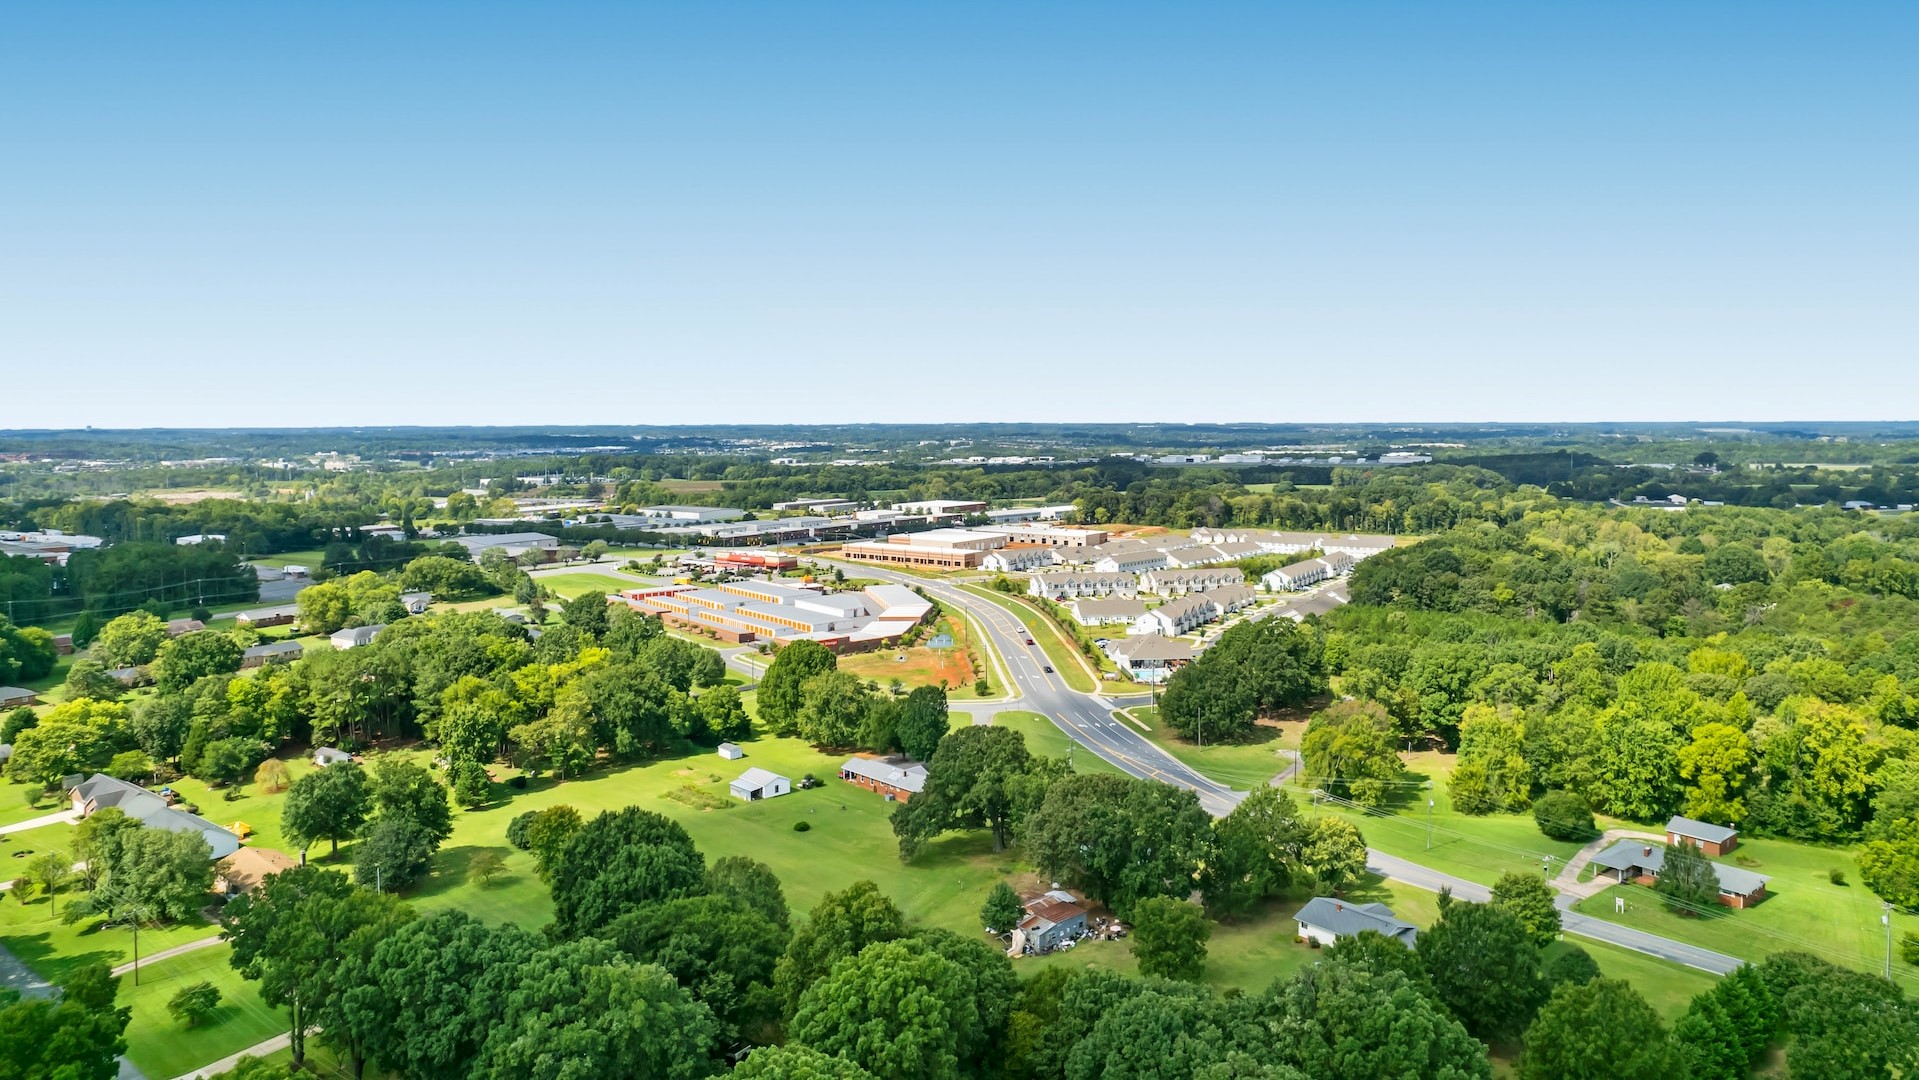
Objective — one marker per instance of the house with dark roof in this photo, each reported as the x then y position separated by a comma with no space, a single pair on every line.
355,636
1709,838
272,652
1326,919
1052,919
12,697
100,792
1641,862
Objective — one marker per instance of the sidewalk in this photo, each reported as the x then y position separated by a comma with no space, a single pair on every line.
168,954
277,1043
64,817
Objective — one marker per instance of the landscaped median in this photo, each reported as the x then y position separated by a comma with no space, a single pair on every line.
1061,653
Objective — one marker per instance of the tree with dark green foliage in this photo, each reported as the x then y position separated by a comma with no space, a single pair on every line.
545,834
188,658
1169,938
1727,1028
76,1035
16,722
781,694
723,714
751,883
1484,967
393,854
988,984
1255,668
471,788
1373,951
148,874
1687,881
794,1062
1349,748
1002,910
299,936
721,950
1343,1021
616,862
88,678
1119,838
1842,1023
1577,1036
1563,815
1529,898
841,925
429,993
193,1005
1258,848
587,613
1161,1031
403,790
980,777
922,722
326,804
228,761
131,640
893,1010
580,1009
1572,965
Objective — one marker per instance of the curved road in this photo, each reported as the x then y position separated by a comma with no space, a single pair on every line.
1090,721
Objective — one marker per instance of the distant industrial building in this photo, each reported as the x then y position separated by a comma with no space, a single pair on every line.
941,507
934,549
513,545
817,506
1062,536
689,515
745,611
46,545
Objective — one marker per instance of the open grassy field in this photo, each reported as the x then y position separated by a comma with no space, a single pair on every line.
1065,657
928,667
1043,737
1244,764
309,558
1803,909
571,585
161,1047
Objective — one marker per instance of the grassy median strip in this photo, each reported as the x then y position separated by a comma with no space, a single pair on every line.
1063,655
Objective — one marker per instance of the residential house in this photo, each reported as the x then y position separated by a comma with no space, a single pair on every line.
895,778
273,652
1307,572
1326,919
101,791
1176,617
1065,586
1099,611
12,697
1009,559
176,627
247,870
416,603
355,636
1052,919
755,784
1130,560
129,676
268,616
1179,582
1231,598
1712,839
1636,860
1150,658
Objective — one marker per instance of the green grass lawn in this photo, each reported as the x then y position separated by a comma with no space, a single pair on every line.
1803,909
1043,737
1063,654
253,806
585,581
14,805
1244,764
53,948
161,1047
310,559
1668,987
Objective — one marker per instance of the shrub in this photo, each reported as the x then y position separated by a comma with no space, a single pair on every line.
1909,947
981,687
272,776
1836,876
801,826
1563,815
516,830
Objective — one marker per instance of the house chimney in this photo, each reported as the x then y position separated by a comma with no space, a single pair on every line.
1338,906
1649,849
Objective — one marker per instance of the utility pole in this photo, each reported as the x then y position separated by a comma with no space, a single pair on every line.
1429,823
1885,919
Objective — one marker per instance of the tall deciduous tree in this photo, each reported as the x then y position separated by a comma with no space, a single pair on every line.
620,860
980,777
327,804
1686,880
74,1036
893,1010
1530,899
923,722
131,640
1257,849
841,925
1485,968
781,693
1169,938
1118,838
186,659
1349,749
1576,1036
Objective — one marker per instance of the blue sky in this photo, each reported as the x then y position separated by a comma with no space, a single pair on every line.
475,213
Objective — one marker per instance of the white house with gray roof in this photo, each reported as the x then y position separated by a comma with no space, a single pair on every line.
1103,610
101,792
1326,919
1637,860
1065,586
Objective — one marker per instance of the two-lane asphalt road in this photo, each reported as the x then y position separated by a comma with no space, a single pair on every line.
1090,720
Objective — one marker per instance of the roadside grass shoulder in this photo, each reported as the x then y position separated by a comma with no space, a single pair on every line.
161,1047
1243,764
1064,658
1044,738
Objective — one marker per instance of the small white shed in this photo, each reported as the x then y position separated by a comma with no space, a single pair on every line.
731,752
756,784
328,755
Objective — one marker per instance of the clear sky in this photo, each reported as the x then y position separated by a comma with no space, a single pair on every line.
342,213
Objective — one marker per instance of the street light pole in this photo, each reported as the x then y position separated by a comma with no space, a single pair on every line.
1885,919
1429,823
